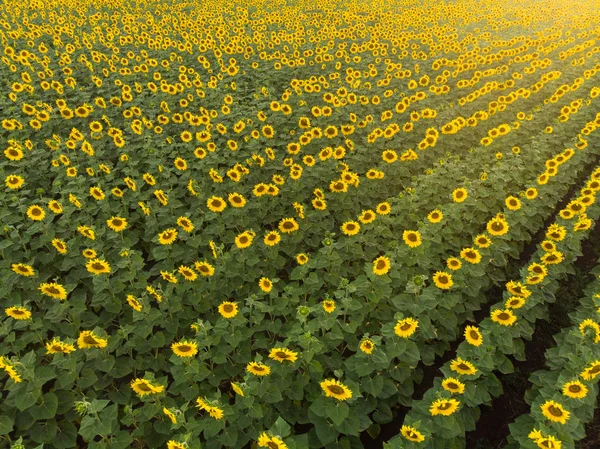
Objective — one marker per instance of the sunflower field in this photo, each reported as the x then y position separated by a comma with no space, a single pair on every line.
298,225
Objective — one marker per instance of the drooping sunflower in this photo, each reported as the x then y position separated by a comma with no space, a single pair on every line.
288,225
170,414
144,387
187,273
117,224
412,238
272,442
443,280
464,367
169,277
185,348
18,313
60,246
471,255
592,371
258,369
283,355
22,269
412,434
134,303
473,336
98,266
444,407
406,327
88,339
53,290
55,346
435,216
555,412
228,309
185,224
87,232
335,389
350,228
204,268
453,385
36,213
167,237
459,195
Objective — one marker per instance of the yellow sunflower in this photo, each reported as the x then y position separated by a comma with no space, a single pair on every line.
406,327
88,339
117,224
335,389
204,268
367,346
473,336
216,204
228,309
22,269
443,280
185,348
412,434
18,313
435,216
575,389
381,265
555,412
453,385
144,387
98,266
36,213
459,195
272,238
167,237
244,240
258,369
350,228
288,225
444,407
461,366
283,355
53,290
55,346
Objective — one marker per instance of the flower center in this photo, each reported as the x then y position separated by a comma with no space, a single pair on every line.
335,389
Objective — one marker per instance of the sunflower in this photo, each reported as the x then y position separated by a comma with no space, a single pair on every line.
238,389
264,440
461,366
383,208
185,348
170,415
167,237
169,277
555,412
36,213
453,385
187,273
454,263
55,207
367,216
301,258
471,255
444,407
552,258
329,305
350,228
435,216
335,389
236,200
412,238
459,195
14,182
258,369
87,232
87,339
55,346
228,309
514,302
117,224
473,336
134,303
443,280
482,241
497,226
575,389
591,372
367,346
381,265
412,434
53,290
283,355
185,224
22,269
265,284
18,313
60,246
144,387
89,253
97,193
406,327
512,203
98,266
244,240
503,317
531,193
216,204
272,238
288,225
204,268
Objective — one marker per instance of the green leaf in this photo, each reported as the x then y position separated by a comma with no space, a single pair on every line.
47,409
280,427
338,412
6,425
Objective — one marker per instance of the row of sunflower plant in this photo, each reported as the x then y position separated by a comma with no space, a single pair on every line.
563,398
449,409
